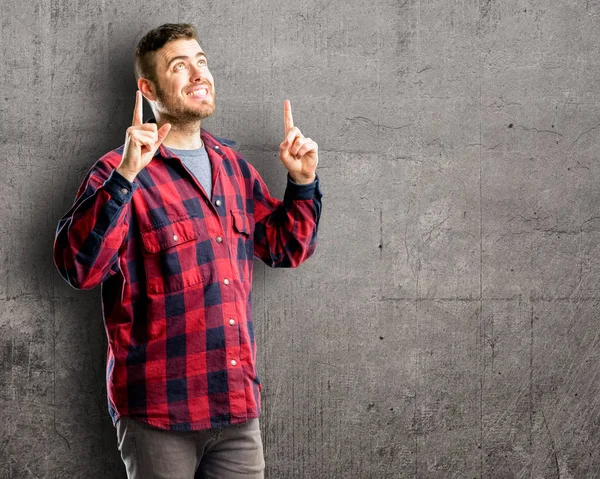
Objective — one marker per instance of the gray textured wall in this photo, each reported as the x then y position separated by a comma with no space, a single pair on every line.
447,325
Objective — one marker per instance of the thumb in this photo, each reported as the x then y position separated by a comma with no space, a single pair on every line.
284,154
162,133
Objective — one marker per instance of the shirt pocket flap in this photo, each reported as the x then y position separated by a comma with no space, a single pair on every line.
167,236
240,222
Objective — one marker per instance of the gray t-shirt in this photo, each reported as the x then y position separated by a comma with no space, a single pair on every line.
198,163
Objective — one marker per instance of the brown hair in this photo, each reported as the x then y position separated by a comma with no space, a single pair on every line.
154,40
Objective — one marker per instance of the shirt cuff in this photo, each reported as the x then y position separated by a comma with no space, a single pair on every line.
119,187
295,191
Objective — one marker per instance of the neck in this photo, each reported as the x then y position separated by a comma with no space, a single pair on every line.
182,136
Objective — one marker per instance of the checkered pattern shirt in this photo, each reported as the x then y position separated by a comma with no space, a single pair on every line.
175,268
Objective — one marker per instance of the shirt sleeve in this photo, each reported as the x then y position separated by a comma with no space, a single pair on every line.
285,233
90,235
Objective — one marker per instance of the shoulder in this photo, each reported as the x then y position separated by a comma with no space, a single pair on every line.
104,166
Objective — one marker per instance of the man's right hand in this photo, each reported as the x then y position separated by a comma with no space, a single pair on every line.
141,142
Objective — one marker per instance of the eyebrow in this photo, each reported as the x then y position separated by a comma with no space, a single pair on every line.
184,57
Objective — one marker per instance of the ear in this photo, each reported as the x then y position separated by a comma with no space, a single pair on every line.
147,89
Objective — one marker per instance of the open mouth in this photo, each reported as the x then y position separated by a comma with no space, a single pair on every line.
201,92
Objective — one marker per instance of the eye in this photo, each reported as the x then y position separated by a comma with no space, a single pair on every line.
202,61
178,65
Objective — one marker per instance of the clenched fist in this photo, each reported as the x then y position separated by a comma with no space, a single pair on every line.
141,142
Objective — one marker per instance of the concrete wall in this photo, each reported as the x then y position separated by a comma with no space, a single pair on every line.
447,325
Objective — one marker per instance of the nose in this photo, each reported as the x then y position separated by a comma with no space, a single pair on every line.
196,73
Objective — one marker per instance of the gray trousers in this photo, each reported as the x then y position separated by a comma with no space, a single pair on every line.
222,453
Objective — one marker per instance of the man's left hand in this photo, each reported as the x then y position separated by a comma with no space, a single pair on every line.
298,154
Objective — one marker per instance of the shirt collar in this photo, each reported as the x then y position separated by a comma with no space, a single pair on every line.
209,142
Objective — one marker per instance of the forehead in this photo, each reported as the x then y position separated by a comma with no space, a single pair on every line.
180,47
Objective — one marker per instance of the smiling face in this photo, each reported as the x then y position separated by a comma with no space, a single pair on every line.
184,90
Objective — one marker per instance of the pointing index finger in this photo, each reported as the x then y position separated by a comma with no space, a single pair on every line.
287,116
137,111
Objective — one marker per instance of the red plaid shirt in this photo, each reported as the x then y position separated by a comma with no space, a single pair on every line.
176,274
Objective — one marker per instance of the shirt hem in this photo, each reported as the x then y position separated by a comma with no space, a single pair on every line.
177,427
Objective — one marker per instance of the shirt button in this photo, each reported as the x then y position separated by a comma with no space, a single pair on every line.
232,321
226,281
216,147
233,362
175,237
218,202
124,191
219,239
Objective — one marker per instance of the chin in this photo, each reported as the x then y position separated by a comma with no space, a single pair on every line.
207,111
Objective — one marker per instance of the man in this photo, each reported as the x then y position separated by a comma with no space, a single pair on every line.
168,224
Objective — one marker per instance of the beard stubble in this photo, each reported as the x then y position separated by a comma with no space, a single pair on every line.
176,112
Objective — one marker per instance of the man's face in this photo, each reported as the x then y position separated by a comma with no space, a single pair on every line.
185,91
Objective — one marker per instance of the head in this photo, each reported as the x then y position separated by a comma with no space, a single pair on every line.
172,73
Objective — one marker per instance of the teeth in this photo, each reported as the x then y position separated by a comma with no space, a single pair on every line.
202,91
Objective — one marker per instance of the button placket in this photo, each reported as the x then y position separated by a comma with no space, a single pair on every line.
233,333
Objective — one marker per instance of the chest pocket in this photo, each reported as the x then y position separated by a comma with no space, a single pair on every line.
170,255
242,242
